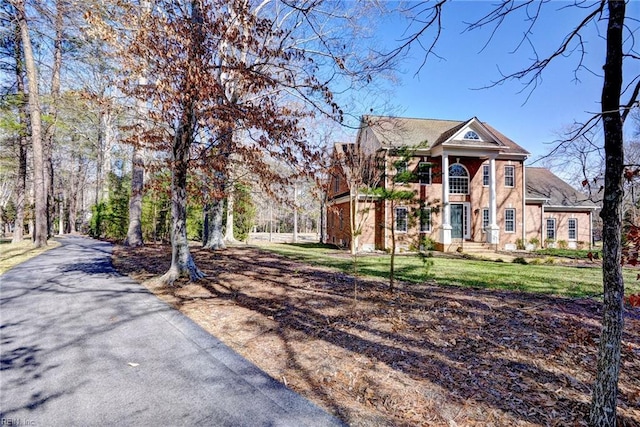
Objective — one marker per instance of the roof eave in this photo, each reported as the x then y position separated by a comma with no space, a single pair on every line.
551,208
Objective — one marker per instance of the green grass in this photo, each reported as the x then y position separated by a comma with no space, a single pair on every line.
12,254
548,279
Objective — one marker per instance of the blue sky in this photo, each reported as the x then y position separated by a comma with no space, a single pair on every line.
448,88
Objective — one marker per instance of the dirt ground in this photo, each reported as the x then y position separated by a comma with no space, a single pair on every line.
424,355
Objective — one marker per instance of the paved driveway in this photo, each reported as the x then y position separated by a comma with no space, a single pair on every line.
82,345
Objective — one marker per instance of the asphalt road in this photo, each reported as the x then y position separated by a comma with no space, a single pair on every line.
81,345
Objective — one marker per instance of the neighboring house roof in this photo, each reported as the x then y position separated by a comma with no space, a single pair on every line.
396,132
542,185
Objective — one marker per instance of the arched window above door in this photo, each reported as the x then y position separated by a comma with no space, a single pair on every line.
458,179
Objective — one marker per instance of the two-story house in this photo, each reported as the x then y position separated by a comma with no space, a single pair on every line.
471,185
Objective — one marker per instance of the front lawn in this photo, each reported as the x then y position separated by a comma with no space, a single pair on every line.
543,278
12,254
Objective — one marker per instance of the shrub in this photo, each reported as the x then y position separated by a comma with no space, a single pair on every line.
520,244
549,260
520,260
562,244
97,216
427,244
535,242
110,218
244,212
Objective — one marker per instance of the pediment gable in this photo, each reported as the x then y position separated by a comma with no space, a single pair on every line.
473,133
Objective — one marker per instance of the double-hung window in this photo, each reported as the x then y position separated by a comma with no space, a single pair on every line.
402,218
336,184
425,219
573,228
551,228
485,175
509,176
510,220
424,173
485,219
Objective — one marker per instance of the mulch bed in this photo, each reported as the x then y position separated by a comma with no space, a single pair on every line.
422,355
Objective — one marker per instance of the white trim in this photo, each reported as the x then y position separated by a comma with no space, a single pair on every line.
513,176
482,224
524,203
504,219
361,197
406,220
486,165
546,228
430,172
468,177
429,222
575,229
466,219
549,208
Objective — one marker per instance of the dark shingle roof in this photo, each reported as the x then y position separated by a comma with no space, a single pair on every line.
395,132
543,184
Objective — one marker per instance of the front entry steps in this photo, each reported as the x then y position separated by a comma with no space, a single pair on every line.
475,247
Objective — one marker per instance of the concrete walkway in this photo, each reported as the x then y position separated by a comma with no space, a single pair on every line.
84,346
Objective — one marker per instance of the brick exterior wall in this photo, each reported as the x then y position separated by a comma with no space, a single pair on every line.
476,200
537,227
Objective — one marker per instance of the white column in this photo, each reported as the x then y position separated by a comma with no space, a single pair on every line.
445,229
493,231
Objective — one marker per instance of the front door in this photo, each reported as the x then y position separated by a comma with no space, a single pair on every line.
457,220
460,221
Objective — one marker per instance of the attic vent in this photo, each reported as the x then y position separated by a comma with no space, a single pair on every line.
471,135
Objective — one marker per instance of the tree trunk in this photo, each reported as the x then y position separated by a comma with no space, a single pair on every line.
61,215
228,232
21,189
215,237
21,184
40,229
99,161
206,213
353,224
182,263
134,234
323,219
392,273
74,196
605,388
50,130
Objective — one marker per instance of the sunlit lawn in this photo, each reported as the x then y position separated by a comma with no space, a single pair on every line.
12,254
545,278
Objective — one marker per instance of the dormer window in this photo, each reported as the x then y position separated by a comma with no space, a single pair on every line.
471,135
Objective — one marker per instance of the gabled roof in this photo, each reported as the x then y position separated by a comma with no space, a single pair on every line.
542,185
396,132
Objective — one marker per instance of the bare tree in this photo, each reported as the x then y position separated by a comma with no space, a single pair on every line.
363,175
